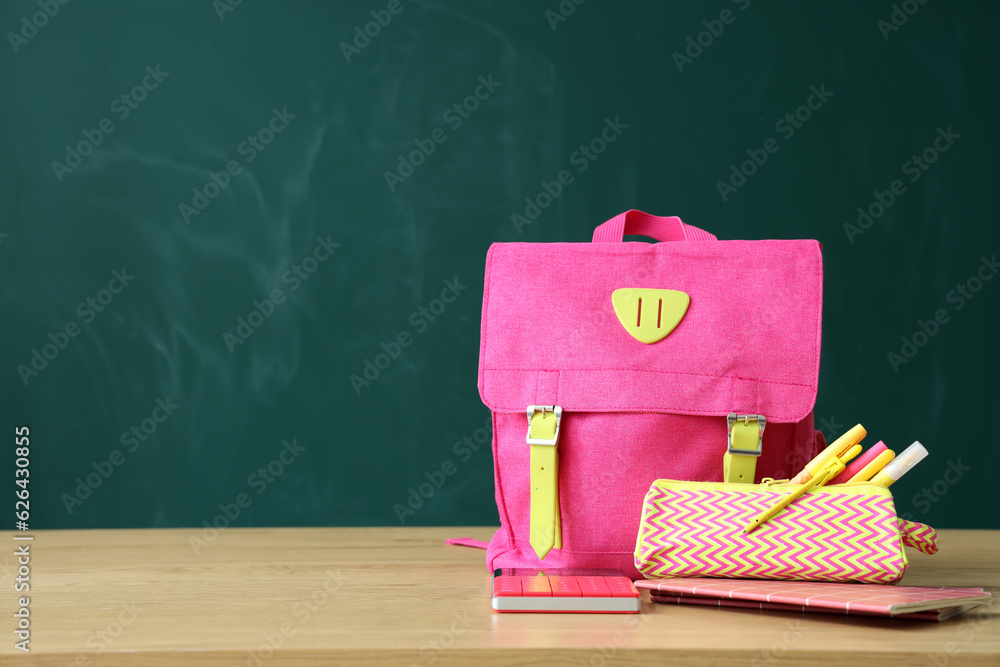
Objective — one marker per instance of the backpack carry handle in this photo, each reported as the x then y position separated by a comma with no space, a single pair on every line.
665,228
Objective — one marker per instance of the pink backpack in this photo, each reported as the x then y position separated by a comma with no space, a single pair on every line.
609,365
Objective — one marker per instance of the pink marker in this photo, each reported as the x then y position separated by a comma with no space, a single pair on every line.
857,464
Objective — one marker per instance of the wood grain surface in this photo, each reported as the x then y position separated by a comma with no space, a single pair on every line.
400,596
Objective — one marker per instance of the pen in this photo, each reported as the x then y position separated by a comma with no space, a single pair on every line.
832,468
770,513
839,446
900,465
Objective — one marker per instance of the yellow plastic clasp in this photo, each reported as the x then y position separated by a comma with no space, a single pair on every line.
649,323
745,443
543,435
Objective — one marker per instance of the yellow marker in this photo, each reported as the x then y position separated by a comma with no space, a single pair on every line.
873,467
839,446
900,465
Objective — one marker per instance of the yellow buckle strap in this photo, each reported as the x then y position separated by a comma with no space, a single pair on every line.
746,437
543,434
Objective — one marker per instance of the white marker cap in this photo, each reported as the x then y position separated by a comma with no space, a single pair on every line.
908,458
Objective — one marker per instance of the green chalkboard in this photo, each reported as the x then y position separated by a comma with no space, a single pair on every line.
242,243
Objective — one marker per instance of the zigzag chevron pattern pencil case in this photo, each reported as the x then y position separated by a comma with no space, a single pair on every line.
846,533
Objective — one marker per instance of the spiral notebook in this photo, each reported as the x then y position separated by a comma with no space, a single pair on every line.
910,602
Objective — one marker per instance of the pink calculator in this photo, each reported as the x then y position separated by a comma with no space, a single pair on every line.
566,591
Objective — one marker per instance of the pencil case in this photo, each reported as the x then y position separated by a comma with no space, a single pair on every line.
845,533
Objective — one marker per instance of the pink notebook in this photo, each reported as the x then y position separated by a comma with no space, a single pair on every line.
863,599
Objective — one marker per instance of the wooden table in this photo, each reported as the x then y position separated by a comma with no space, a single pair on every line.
400,596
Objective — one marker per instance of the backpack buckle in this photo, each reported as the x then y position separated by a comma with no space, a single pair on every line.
742,444
540,428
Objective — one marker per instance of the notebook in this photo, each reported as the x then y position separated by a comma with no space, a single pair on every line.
934,615
912,602
565,591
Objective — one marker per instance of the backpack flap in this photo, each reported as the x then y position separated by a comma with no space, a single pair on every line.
747,339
